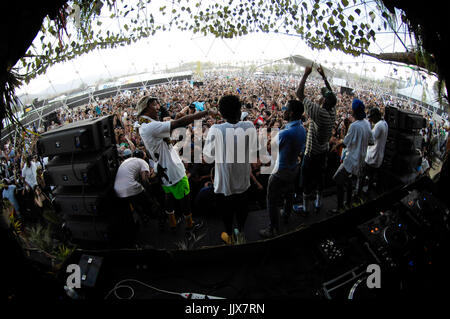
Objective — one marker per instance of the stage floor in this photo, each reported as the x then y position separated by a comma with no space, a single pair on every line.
150,236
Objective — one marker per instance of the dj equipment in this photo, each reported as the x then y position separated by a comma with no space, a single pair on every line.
330,250
95,169
90,268
344,286
387,237
82,136
429,213
402,119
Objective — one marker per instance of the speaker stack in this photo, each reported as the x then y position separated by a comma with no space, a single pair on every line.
401,157
83,164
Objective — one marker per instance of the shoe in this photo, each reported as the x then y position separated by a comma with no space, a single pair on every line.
196,225
173,228
226,238
318,201
238,237
306,208
357,201
298,209
268,232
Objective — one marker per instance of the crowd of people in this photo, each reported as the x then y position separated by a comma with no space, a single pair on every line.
325,139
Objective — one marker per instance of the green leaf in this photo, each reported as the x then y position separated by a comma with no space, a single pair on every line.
344,3
331,21
358,11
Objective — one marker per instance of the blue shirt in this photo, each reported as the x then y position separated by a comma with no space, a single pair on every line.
291,142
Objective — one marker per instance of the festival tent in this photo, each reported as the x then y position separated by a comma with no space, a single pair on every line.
423,94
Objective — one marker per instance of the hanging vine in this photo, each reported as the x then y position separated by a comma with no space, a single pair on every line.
81,26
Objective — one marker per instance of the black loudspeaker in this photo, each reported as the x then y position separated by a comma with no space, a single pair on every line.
85,201
91,229
403,142
82,136
403,120
93,169
346,90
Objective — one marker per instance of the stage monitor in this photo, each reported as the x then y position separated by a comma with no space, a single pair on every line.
82,136
403,120
84,201
93,169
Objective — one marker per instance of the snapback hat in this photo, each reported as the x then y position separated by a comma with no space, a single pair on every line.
328,95
244,116
143,103
127,152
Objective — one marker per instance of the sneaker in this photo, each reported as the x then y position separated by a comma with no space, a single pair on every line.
226,238
318,201
298,209
268,232
238,237
173,229
357,201
196,225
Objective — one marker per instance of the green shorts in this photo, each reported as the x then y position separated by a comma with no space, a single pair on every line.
179,190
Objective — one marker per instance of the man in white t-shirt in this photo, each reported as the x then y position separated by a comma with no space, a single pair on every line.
231,145
358,138
169,167
29,172
131,177
375,153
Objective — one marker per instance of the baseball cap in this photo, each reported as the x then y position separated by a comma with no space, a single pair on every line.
244,115
358,107
127,152
328,95
143,103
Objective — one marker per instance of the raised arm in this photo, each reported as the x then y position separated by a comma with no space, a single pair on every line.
320,70
188,119
301,88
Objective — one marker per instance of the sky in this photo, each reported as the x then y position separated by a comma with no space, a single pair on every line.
169,49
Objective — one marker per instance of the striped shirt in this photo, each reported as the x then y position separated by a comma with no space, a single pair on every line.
320,128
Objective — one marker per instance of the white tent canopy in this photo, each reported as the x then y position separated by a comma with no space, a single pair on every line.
421,93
